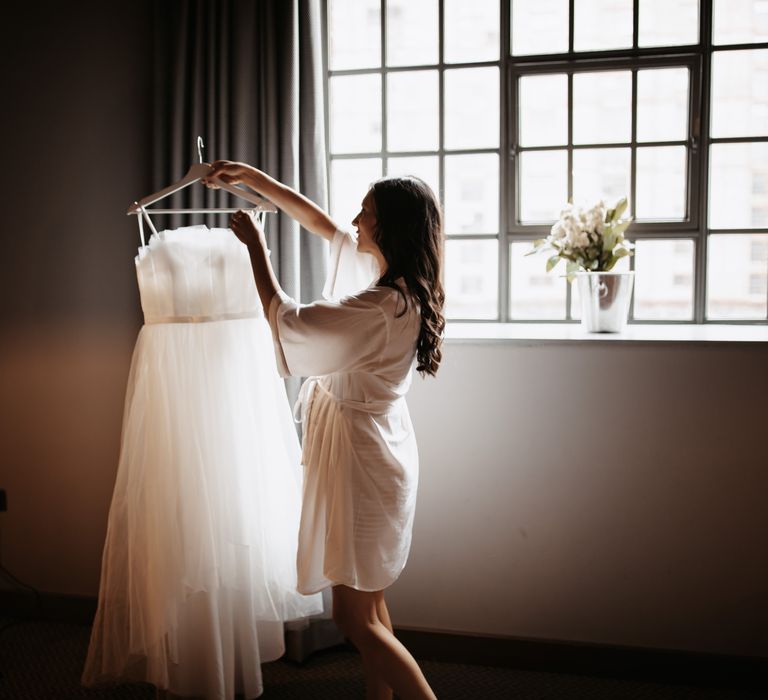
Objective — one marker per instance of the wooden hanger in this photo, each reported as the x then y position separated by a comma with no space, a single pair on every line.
195,174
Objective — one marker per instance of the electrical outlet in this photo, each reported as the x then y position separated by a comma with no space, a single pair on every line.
3,501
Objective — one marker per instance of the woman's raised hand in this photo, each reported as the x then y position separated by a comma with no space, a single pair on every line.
246,229
228,171
288,200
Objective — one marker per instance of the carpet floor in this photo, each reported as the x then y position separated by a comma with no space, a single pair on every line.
43,661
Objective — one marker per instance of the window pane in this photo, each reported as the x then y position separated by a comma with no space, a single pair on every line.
534,293
740,93
539,26
471,30
668,22
424,167
664,280
601,173
738,185
543,115
543,185
740,21
412,111
350,180
472,108
472,193
737,275
621,266
662,104
354,33
602,24
355,113
471,279
412,32
602,107
661,183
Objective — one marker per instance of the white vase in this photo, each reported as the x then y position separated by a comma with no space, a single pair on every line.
604,300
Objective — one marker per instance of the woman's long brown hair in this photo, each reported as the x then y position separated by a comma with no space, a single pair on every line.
409,232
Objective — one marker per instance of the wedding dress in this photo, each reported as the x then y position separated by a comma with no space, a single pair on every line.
199,564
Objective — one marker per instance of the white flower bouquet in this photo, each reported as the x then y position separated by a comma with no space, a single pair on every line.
589,240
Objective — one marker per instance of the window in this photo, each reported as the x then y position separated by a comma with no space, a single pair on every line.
759,250
738,161
757,285
508,108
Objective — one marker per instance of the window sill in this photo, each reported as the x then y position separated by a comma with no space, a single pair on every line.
526,333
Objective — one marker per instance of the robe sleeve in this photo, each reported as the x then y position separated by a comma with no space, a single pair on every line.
328,336
348,270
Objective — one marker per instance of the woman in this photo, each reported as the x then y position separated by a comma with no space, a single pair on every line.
359,450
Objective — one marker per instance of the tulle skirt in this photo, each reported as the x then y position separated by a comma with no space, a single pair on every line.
199,563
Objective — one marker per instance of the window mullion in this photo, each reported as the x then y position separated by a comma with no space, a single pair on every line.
441,112
702,156
504,204
633,146
326,101
636,26
569,160
383,76
633,153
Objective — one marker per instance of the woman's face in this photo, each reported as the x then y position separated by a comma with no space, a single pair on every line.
365,223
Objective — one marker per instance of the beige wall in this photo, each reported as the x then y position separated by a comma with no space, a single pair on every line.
76,82
598,492
60,412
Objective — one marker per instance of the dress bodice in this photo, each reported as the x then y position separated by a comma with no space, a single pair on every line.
196,273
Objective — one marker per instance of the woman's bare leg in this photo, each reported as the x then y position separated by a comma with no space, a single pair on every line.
382,612
384,657
375,686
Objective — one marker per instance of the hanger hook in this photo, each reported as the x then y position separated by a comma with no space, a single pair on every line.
200,148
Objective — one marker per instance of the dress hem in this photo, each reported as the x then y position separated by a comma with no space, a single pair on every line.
330,583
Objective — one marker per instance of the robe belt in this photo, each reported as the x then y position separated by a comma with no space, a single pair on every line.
202,319
302,405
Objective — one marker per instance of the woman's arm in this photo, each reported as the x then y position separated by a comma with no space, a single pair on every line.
245,228
293,203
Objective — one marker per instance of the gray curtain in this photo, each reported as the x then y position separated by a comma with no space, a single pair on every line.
247,76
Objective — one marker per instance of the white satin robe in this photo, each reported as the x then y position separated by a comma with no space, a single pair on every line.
359,450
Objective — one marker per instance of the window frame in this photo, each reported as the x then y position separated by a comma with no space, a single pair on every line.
696,57
686,229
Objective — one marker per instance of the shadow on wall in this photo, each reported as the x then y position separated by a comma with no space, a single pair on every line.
77,151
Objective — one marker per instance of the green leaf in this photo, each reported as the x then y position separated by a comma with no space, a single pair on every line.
609,241
620,208
618,253
538,246
552,262
571,268
620,226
